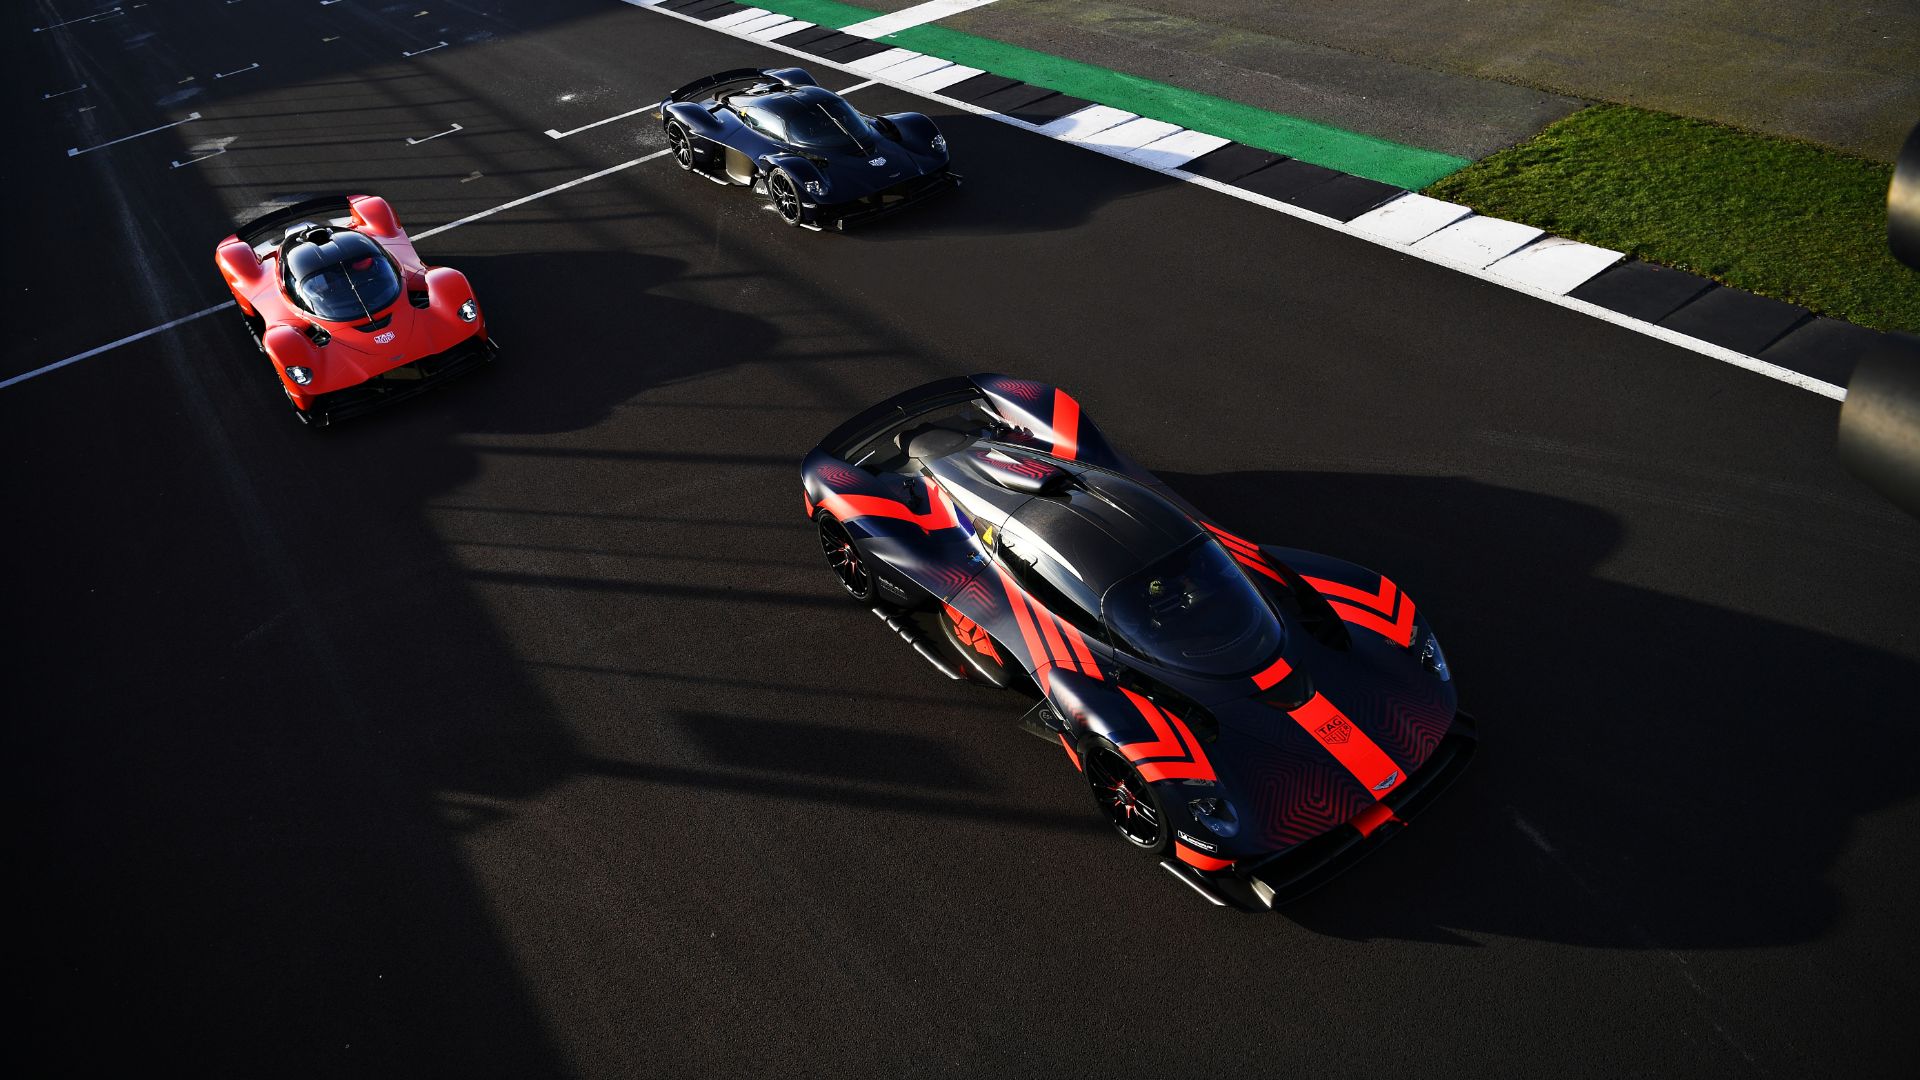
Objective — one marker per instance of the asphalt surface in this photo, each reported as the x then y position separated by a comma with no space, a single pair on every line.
518,731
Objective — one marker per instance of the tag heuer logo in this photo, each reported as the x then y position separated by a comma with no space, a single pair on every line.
1336,730
877,162
382,339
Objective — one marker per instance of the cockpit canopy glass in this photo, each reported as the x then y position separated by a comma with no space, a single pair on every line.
341,275
1196,612
810,118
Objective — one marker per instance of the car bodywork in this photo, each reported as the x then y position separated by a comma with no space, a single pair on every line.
752,126
333,292
996,505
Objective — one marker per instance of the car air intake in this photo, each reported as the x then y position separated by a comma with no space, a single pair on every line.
1020,474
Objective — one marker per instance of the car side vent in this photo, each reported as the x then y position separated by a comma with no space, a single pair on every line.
318,336
1289,693
1315,614
376,324
1201,722
418,299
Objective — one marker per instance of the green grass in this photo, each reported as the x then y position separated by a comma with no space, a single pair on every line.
1773,216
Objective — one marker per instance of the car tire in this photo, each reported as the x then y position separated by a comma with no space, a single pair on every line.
784,190
1125,799
681,143
844,558
256,329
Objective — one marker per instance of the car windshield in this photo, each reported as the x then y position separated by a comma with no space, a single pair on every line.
345,278
1195,611
824,122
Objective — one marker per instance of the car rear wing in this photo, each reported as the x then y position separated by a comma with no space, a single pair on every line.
699,88
896,412
271,227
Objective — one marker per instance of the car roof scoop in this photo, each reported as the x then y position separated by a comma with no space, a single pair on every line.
1021,474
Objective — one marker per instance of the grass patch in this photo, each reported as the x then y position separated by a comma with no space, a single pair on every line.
1774,216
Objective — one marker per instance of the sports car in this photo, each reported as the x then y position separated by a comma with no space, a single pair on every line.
818,160
333,292
1253,717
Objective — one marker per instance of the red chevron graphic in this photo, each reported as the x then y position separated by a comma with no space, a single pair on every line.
1174,754
1377,614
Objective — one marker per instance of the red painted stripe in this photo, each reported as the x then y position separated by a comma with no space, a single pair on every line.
1196,859
1400,631
939,513
1350,746
1066,426
1253,564
1068,747
1381,601
1041,666
1080,651
1172,739
1231,540
1280,669
1055,646
1370,819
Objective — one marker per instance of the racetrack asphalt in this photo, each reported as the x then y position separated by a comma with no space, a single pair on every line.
518,730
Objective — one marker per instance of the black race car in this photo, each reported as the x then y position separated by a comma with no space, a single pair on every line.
819,161
1254,717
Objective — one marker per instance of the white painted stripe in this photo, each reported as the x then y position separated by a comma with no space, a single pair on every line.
1555,263
1176,149
764,22
1085,122
554,190
424,51
416,142
1478,241
745,15
773,33
858,86
1385,239
878,62
910,17
909,70
944,78
1131,135
449,226
556,134
111,345
1408,218
77,151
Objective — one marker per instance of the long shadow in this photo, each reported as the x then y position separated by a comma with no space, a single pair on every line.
1656,772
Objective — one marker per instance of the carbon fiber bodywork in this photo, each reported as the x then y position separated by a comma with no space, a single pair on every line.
1285,710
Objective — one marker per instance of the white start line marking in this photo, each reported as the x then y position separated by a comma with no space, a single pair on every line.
77,151
63,93
82,19
426,50
430,138
238,71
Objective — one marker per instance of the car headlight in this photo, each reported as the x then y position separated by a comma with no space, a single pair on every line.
815,188
301,375
1433,659
469,311
1216,814
939,143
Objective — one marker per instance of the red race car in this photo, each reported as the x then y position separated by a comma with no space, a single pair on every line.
333,293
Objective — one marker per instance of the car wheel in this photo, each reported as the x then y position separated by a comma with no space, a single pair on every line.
844,559
681,144
1125,798
786,197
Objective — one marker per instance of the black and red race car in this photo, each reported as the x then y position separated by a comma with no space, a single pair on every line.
333,293
1255,717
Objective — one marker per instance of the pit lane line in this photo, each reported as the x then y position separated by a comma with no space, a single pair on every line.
435,231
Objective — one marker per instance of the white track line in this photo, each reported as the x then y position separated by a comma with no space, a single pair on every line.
1660,333
554,133
111,345
451,225
906,18
77,151
416,142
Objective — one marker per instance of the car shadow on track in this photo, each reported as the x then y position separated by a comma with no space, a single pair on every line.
1655,772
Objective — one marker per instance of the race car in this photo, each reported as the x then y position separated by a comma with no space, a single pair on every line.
1253,717
333,292
819,161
